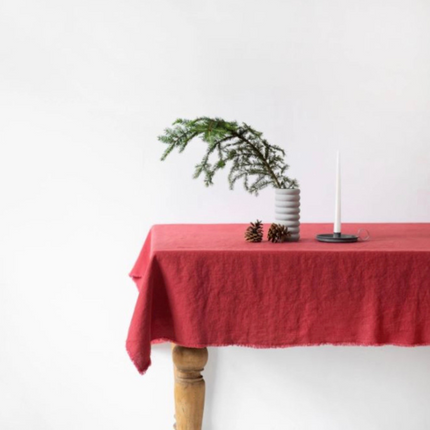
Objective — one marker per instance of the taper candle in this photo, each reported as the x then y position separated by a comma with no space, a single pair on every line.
337,211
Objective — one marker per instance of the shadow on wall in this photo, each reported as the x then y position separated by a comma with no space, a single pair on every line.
303,387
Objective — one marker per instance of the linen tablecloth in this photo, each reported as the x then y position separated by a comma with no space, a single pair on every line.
204,285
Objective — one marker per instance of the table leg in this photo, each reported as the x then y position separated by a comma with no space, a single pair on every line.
189,386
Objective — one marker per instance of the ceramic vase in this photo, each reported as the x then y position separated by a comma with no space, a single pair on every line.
287,211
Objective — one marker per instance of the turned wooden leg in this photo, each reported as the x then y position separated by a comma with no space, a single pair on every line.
189,386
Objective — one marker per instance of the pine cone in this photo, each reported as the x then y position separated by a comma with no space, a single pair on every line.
278,233
254,233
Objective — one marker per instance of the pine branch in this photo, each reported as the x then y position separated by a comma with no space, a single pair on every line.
250,155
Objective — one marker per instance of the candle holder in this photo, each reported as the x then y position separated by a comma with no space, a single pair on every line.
337,238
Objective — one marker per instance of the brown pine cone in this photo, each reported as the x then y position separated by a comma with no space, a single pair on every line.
254,233
278,233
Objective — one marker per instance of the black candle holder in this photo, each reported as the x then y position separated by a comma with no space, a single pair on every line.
337,238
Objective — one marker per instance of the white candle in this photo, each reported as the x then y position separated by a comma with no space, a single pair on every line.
337,221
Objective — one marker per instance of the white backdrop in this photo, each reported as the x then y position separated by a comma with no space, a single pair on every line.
85,88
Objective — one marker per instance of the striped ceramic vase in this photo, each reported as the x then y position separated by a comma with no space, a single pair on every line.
287,211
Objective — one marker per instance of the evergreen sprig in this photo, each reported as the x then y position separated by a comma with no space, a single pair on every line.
251,157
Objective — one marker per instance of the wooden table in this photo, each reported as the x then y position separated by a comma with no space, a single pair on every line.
203,285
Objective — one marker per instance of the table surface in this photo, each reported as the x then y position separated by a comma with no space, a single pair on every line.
229,237
203,285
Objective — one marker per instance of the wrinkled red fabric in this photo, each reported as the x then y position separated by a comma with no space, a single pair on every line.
204,285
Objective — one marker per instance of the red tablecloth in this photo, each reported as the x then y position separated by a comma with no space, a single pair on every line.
203,285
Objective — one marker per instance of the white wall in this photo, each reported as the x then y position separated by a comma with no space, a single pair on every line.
85,88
